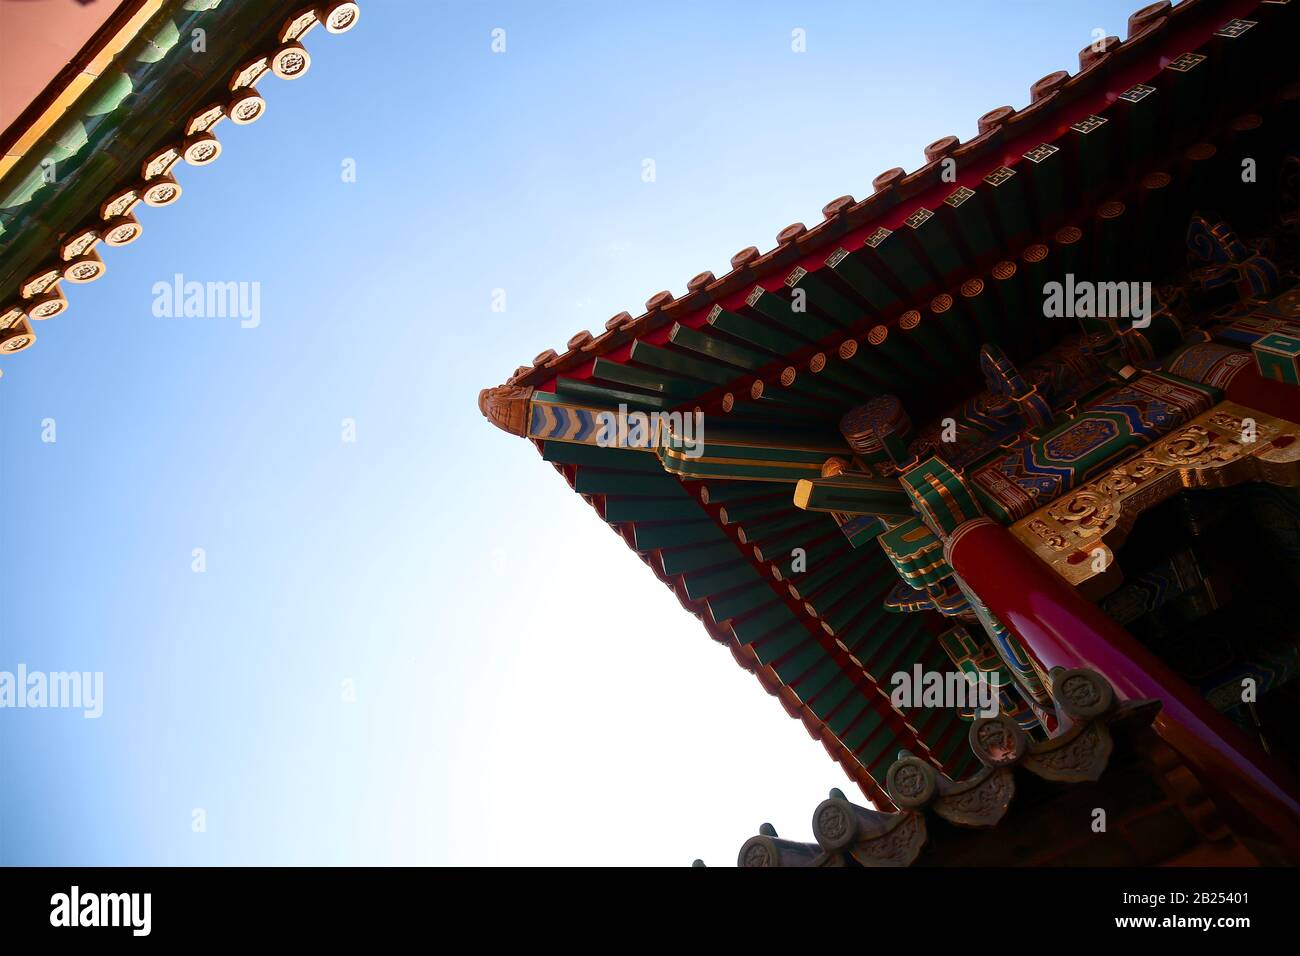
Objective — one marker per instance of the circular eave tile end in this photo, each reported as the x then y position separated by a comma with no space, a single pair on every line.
122,231
790,233
699,282
940,148
246,107
340,17
163,191
202,149
888,178
1151,13
993,118
1048,84
1093,53
291,61
837,207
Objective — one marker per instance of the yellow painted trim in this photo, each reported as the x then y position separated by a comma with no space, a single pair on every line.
802,493
80,83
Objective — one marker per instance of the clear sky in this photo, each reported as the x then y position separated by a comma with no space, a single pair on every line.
522,689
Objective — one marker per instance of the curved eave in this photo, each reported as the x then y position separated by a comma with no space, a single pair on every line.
1158,35
814,652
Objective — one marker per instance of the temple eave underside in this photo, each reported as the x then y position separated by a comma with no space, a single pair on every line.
1034,420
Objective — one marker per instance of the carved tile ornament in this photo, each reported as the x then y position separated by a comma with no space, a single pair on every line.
16,342
246,107
84,268
507,407
1229,444
872,838
340,17
899,845
47,305
847,832
161,162
78,243
121,231
1077,756
163,191
290,61
980,801
201,149
1080,754
767,850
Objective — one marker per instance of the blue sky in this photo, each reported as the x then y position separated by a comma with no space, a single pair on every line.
525,691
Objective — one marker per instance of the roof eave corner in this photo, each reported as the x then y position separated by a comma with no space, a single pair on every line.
507,407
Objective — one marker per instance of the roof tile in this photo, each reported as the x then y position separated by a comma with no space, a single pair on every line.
993,119
1151,13
1048,84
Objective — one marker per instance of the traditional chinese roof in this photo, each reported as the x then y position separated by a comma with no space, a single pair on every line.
113,127
1102,166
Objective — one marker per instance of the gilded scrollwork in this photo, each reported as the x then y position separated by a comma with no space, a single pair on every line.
1228,444
1053,539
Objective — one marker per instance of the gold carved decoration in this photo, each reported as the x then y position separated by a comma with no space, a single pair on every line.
1077,534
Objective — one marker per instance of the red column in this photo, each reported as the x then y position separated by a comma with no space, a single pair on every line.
1063,629
1253,390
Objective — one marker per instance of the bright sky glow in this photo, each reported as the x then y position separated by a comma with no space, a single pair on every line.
526,692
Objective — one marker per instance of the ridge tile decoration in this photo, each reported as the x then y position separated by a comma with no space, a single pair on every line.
998,815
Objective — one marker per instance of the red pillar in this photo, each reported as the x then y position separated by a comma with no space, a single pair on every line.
1253,390
1063,629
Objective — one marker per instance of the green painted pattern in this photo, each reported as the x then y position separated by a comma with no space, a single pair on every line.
854,494
940,495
